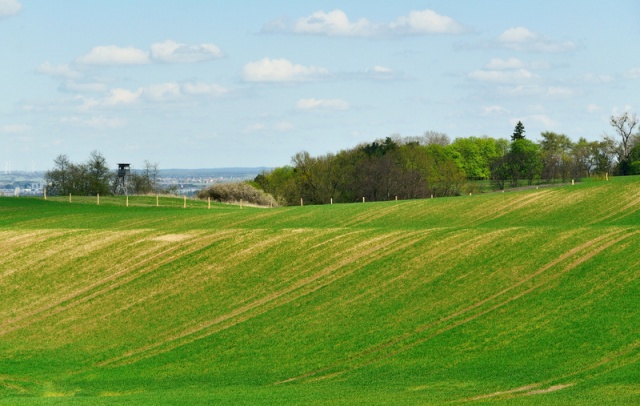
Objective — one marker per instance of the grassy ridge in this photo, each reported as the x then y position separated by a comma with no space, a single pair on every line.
516,298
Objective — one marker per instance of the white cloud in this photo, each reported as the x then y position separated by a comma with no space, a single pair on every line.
123,96
97,122
280,126
633,73
541,118
162,91
64,70
503,76
336,23
174,52
157,93
544,119
283,126
15,128
493,110
281,70
381,69
383,73
9,8
114,55
255,127
597,79
521,39
426,22
517,35
537,90
322,104
203,89
593,108
85,87
559,91
511,63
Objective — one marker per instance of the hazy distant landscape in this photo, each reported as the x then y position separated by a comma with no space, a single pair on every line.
188,181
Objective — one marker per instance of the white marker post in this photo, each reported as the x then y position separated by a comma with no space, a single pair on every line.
45,193
98,199
301,203
157,201
69,197
362,199
184,206
209,202
127,200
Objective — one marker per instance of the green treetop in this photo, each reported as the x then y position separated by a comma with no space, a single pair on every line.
518,132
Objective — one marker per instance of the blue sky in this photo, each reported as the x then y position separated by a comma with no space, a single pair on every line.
200,84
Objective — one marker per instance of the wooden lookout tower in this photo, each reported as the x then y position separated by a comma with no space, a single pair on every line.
120,187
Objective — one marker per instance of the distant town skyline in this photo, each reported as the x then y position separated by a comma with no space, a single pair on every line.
194,84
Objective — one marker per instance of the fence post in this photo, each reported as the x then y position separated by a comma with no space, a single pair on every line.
301,203
127,200
157,201
69,197
98,199
332,200
362,199
45,193
208,202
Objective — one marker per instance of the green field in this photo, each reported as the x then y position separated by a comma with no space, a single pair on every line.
506,298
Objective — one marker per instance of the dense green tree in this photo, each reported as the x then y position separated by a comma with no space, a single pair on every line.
527,155
475,154
522,162
556,156
280,183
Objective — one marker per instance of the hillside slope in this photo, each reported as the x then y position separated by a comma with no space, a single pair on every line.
521,298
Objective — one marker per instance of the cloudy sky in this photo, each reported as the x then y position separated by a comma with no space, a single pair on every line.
201,84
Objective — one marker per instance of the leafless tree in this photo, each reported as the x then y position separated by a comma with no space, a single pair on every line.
624,125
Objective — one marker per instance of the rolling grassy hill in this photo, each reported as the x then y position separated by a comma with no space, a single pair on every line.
509,298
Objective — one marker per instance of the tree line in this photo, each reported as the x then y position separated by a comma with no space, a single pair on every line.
432,165
94,177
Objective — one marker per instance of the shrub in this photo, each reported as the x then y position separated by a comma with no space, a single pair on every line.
236,192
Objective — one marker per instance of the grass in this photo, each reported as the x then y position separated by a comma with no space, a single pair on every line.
508,298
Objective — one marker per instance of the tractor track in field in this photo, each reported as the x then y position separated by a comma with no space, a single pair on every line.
164,254
367,252
440,249
620,358
622,209
416,337
510,207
